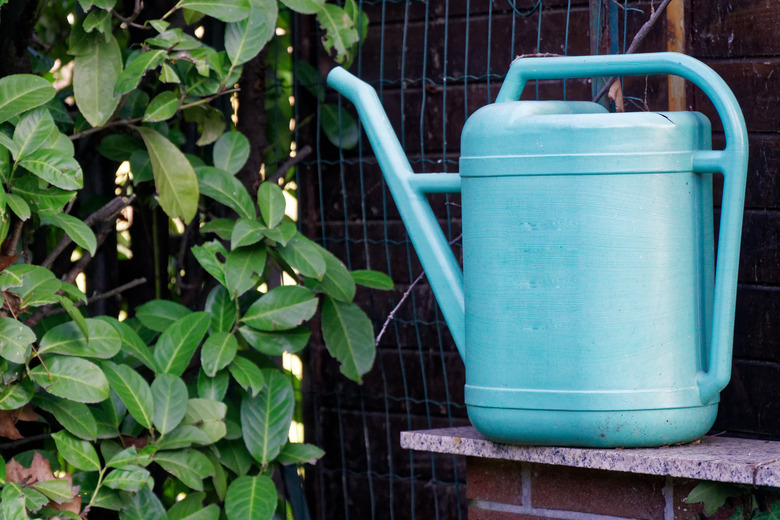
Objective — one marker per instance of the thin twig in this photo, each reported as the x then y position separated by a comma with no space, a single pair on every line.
289,163
104,214
405,296
130,20
26,440
638,39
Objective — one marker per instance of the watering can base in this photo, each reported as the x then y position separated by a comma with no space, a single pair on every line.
593,429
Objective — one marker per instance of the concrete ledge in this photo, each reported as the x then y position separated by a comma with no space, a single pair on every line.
723,459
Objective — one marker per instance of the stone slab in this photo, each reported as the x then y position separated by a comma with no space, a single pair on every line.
723,459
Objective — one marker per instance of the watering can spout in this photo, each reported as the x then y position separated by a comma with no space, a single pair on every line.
409,193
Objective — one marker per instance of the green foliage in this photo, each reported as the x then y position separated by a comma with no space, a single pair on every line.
183,395
747,502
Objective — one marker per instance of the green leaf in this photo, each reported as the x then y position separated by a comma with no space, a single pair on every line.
340,33
183,436
240,266
210,120
251,497
373,279
174,177
337,282
712,495
13,397
72,378
22,92
224,10
68,339
55,168
74,313
339,126
133,390
132,344
277,343
234,456
158,315
77,230
177,343
94,76
349,337
304,6
77,452
130,77
34,500
131,479
192,503
282,234
299,453
358,17
213,388
189,466
38,285
141,166
304,256
247,374
281,308
73,416
144,506
222,227
41,194
245,39
265,418
271,201
18,206
206,255
225,189
162,107
58,490
119,147
98,20
222,310
309,77
210,512
231,152
15,340
129,457
218,351
35,130
208,416
13,502
170,402
247,232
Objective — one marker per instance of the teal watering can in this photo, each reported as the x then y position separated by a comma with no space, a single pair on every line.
589,311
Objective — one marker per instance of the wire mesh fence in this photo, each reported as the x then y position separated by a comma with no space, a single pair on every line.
433,63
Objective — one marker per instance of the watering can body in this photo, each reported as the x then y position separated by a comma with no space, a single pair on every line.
588,310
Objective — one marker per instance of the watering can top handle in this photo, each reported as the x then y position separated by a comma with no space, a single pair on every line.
524,69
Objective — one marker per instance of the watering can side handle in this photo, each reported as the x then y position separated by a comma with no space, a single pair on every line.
408,191
732,162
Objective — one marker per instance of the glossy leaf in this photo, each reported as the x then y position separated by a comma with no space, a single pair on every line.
299,453
162,107
22,92
224,10
213,388
131,76
144,505
131,479
210,512
281,234
251,497
265,418
73,416
247,232
55,168
208,416
177,343
337,282
132,344
73,312
183,436
58,490
222,310
190,504
277,343
304,6
13,502
72,378
271,201
79,232
133,390
340,33
217,352
158,315
14,396
339,126
240,267
77,452
94,76
128,457
281,308
68,339
15,340
247,374
208,255
349,337
372,279
170,402
245,39
234,456
174,177
18,206
189,466
35,130
225,189
231,152
304,256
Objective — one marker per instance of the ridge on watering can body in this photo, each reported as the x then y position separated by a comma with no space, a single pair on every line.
588,271
586,312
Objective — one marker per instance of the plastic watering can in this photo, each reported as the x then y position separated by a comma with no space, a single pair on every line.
589,311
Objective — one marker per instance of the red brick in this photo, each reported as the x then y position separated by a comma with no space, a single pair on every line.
598,492
487,514
494,480
685,511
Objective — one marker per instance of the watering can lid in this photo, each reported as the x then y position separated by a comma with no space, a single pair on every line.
575,137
